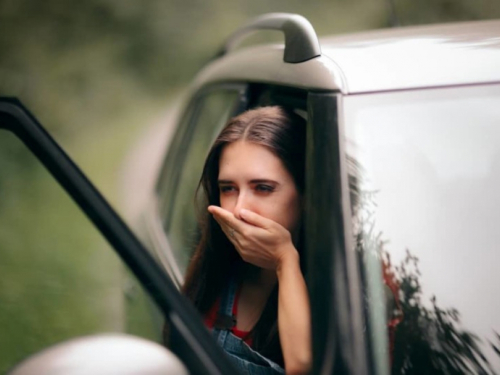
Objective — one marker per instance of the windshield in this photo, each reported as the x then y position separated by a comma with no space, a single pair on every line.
424,174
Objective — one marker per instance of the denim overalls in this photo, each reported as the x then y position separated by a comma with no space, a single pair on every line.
247,360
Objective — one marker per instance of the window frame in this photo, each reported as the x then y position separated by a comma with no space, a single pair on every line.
178,148
159,211
339,342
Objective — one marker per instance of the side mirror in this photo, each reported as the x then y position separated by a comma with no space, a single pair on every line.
103,355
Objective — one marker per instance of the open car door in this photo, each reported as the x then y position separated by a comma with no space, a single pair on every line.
193,344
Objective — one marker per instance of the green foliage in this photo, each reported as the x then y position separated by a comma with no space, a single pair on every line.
50,288
433,11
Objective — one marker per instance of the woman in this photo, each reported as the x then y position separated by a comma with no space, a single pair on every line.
245,276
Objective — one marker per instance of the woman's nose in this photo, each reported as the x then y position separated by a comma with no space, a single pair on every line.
241,202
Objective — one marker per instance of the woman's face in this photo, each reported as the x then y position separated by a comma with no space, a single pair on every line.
252,177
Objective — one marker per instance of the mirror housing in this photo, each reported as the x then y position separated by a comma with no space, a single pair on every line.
103,354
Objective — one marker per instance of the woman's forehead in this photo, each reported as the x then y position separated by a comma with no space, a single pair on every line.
246,158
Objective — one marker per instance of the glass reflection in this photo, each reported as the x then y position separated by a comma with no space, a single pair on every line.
424,167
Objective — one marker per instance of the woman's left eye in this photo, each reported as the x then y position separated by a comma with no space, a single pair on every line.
264,188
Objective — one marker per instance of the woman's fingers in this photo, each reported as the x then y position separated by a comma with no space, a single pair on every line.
247,216
226,218
222,224
229,225
257,239
256,219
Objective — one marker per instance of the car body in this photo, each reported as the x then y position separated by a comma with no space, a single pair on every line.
402,138
402,168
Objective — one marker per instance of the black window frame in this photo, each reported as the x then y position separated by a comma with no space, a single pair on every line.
333,277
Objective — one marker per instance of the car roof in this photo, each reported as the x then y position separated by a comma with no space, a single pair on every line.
394,59
380,60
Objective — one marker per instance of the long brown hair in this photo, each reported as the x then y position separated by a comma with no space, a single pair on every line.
283,133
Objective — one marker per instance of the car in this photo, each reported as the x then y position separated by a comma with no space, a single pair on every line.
401,208
402,167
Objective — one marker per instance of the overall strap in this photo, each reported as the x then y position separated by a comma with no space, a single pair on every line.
225,319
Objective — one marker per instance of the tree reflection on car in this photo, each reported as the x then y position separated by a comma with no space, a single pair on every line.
421,334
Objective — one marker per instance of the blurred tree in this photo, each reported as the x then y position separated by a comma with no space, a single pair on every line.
432,11
79,63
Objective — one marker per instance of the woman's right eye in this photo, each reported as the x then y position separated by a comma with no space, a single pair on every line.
226,189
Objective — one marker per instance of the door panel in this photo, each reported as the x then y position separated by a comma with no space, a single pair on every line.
426,172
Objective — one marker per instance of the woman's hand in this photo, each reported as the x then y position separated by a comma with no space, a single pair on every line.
267,244
259,241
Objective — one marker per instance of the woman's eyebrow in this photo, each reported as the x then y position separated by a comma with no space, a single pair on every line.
263,181
254,181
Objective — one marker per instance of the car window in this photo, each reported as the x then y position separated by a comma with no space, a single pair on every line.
59,278
206,117
424,172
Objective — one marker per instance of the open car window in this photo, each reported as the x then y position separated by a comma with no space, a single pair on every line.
203,120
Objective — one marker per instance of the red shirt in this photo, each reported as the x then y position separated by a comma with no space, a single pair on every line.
211,317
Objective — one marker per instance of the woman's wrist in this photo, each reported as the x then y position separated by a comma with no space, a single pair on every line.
288,259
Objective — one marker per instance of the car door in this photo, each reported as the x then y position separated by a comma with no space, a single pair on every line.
25,298
424,170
